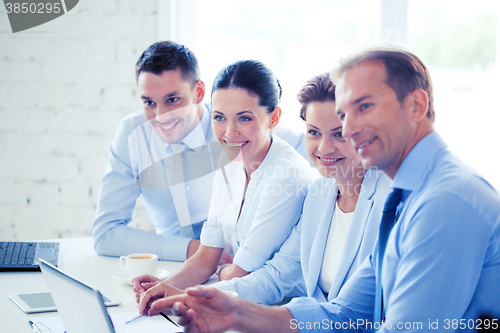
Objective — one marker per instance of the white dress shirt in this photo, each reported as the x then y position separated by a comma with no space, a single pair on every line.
272,206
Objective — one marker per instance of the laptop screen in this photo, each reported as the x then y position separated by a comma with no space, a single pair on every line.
81,307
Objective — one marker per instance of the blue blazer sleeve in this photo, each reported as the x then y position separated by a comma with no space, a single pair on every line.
279,276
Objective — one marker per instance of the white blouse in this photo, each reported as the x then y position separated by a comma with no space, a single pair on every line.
272,206
334,247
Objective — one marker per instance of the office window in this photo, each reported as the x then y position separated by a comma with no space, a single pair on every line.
297,39
459,44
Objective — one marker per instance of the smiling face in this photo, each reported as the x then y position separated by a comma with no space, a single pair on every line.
376,124
170,103
241,125
326,147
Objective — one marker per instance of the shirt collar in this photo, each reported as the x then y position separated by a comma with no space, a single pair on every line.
274,150
196,139
415,165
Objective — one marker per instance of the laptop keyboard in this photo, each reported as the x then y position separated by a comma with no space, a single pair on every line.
17,253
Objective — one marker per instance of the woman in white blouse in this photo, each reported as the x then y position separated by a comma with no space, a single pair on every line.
258,193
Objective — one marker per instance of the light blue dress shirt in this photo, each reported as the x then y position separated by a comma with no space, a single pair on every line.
301,257
272,206
442,261
129,157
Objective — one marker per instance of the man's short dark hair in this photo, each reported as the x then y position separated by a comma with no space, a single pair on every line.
166,55
319,89
405,72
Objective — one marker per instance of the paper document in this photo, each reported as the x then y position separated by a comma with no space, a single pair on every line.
146,324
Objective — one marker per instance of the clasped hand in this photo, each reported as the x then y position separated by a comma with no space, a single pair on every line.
205,309
150,293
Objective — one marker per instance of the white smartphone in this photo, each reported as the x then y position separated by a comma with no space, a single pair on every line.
42,302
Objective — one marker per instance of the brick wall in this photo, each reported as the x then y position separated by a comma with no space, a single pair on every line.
64,86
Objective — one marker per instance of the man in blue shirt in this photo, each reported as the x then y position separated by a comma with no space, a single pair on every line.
172,129
440,270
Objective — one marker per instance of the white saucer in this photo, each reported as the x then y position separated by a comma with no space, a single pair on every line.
123,277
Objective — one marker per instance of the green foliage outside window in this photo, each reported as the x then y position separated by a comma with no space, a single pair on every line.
462,45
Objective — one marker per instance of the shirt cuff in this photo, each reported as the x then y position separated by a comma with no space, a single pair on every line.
305,310
248,261
224,285
210,237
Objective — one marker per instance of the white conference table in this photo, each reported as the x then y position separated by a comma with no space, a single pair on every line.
77,257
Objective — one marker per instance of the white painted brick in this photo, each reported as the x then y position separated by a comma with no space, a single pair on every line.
93,169
28,47
56,143
22,71
99,120
7,186
21,95
48,167
126,49
119,97
18,144
102,8
69,72
4,20
30,194
64,87
61,99
3,140
34,222
7,223
71,193
123,69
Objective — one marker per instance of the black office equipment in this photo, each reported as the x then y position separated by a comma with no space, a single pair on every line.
23,256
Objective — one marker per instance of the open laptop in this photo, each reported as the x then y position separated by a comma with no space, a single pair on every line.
23,256
81,307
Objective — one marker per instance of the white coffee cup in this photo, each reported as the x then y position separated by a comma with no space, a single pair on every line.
136,264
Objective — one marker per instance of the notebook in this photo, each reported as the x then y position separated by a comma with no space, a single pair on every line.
23,256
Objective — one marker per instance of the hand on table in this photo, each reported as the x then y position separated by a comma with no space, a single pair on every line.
143,283
152,294
201,309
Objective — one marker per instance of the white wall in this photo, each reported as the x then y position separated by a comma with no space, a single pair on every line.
64,86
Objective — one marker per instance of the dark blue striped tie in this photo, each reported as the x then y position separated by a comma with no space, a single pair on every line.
388,220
